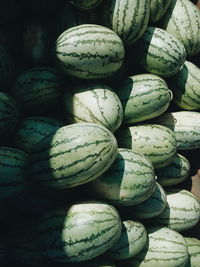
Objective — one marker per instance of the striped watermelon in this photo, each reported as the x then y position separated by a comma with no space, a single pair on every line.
186,87
13,172
75,154
93,102
159,52
158,9
78,233
186,126
174,173
86,4
194,251
129,181
33,129
165,247
182,20
151,207
143,96
128,18
89,51
37,90
9,114
155,141
131,241
182,211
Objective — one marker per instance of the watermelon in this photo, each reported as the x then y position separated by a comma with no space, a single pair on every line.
182,20
176,172
155,141
165,247
159,52
194,251
185,86
151,207
182,211
131,241
186,127
158,9
93,102
89,51
129,181
143,96
32,130
80,232
128,18
37,90
13,172
75,154
9,115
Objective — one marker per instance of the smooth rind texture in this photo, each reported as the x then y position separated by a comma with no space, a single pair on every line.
89,51
79,233
156,142
182,20
143,97
75,154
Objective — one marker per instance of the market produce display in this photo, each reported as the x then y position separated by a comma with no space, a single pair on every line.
100,133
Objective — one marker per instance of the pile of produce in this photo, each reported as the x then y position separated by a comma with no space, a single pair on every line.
100,133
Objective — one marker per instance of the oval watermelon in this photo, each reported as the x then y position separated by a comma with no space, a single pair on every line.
75,154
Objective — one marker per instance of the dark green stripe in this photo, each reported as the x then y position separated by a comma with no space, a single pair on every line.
96,157
91,33
85,250
48,156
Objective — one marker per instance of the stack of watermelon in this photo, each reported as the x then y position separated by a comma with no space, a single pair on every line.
100,133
